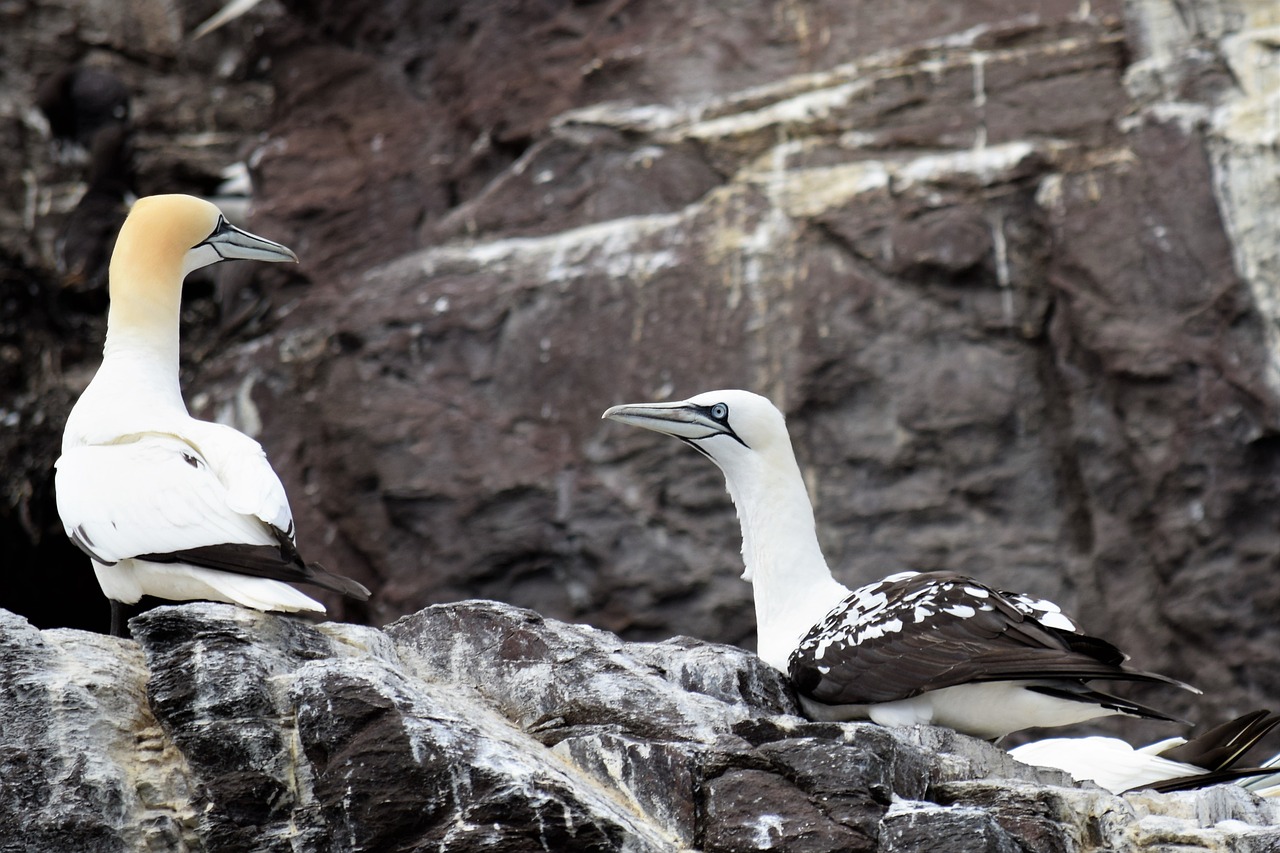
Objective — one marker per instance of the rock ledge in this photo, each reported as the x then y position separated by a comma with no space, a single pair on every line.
481,726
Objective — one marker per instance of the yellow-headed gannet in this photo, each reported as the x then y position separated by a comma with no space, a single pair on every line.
165,504
933,647
1175,764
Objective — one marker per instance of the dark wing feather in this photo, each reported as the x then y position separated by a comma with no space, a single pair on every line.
281,562
1222,746
910,633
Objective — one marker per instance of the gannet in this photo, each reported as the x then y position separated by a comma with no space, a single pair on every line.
934,647
1174,764
165,504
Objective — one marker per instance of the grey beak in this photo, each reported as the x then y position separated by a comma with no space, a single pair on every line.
232,243
678,419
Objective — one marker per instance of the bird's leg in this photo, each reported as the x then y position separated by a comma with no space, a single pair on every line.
117,618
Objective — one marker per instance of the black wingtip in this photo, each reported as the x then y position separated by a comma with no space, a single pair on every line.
263,561
322,577
1222,746
1142,675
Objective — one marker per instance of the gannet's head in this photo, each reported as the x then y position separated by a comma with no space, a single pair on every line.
734,429
168,236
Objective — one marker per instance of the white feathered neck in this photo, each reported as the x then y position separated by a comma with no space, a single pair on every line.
793,585
136,389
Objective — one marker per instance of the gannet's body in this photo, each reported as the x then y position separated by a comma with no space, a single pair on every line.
165,504
1174,764
936,648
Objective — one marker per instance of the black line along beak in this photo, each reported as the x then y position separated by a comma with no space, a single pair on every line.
683,420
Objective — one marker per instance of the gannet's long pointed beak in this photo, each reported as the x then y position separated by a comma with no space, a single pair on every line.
681,419
232,243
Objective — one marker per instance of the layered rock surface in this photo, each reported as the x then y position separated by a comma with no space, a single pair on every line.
481,726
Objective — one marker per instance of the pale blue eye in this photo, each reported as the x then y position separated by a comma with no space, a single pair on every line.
719,411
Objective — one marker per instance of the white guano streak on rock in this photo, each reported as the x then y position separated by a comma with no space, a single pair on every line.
1000,246
805,98
797,110
623,791
755,251
133,748
766,825
559,257
1243,126
979,62
812,191
1247,167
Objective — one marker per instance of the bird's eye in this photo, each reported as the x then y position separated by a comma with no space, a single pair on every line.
720,411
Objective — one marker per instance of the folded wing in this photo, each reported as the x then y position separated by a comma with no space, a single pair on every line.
914,632
151,494
211,501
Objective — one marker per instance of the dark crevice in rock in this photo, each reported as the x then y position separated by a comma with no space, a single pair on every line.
1061,434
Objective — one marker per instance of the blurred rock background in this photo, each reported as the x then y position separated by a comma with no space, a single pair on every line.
1012,272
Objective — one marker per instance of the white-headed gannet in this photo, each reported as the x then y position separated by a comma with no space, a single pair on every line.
1175,764
165,504
933,647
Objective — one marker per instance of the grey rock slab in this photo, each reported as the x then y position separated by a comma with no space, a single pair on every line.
914,827
550,677
727,673
660,779
83,763
958,757
758,810
393,765
1040,817
301,739
850,783
224,729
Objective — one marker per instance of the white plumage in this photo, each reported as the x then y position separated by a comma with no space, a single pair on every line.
934,647
166,496
1268,785
1107,761
1211,757
165,504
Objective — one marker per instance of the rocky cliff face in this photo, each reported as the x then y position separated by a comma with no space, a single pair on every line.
1011,273
481,726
